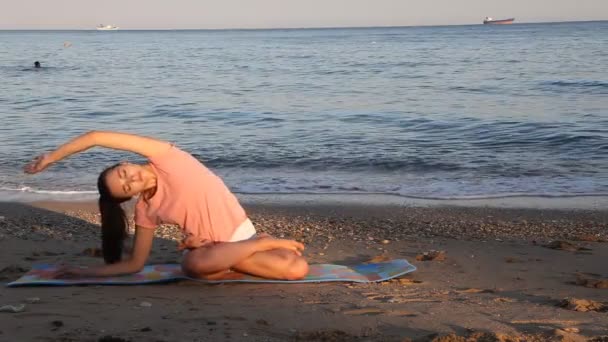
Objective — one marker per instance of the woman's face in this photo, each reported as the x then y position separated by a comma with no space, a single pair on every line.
128,180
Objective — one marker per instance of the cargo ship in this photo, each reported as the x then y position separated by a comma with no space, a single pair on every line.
491,21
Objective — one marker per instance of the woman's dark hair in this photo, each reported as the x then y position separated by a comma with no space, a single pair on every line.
113,220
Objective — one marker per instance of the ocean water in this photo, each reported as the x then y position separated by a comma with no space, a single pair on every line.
428,112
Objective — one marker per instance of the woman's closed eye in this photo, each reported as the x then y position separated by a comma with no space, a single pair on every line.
122,173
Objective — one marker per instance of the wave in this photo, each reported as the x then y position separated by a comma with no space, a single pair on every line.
508,195
345,192
336,163
581,86
360,191
27,189
581,83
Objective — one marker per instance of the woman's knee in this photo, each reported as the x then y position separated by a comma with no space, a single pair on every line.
297,269
194,266
195,269
294,266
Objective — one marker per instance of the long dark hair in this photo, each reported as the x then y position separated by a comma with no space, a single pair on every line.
113,220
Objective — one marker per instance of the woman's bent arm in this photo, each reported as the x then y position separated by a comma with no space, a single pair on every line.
141,251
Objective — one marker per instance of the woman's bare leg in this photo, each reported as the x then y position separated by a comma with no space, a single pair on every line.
274,264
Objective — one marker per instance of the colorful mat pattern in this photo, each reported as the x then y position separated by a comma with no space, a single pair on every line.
363,273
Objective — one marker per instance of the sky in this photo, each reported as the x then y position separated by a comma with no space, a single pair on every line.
221,14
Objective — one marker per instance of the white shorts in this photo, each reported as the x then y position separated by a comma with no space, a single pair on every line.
243,232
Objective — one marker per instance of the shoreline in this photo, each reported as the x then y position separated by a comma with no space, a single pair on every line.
571,202
514,202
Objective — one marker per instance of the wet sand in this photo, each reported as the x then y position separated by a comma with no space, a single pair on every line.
503,275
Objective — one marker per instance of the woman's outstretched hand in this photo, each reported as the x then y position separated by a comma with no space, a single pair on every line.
66,272
38,164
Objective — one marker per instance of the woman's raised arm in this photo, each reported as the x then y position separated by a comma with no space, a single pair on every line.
144,146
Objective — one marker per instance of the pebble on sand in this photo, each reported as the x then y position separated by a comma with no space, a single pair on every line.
431,255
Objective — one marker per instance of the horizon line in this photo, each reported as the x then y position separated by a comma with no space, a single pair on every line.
293,28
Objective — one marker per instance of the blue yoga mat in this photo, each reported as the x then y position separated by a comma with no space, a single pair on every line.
41,275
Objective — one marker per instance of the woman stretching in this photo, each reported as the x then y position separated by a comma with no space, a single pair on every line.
175,188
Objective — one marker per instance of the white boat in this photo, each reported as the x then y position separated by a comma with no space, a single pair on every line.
490,20
107,27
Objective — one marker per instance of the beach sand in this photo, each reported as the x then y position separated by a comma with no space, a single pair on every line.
496,279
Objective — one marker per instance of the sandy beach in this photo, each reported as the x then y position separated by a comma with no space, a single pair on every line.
499,274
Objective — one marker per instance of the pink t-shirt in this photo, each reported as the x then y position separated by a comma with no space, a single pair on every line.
191,196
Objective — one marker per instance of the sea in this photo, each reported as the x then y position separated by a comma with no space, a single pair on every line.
442,113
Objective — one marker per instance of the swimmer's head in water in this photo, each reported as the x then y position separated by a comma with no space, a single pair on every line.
36,64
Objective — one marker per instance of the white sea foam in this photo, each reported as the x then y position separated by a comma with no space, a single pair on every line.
28,194
511,200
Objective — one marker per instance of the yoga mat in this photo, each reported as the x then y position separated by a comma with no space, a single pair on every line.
40,275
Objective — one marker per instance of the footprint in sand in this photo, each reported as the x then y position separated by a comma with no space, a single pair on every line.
566,246
406,281
325,335
477,336
512,260
431,256
364,311
590,238
378,311
591,280
504,300
582,305
474,290
12,272
378,258
110,338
